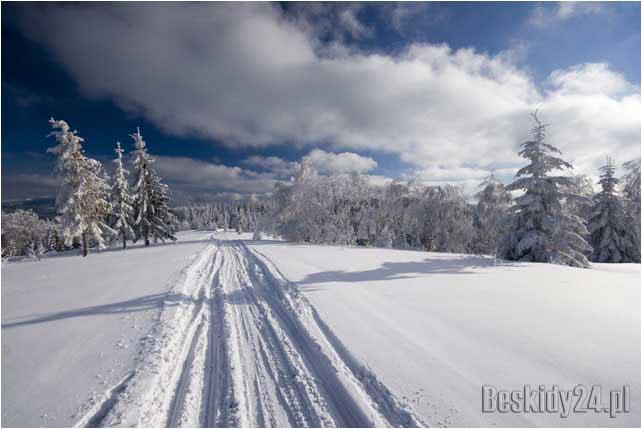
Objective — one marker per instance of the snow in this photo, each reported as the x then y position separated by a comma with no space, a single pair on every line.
362,336
435,327
71,325
243,348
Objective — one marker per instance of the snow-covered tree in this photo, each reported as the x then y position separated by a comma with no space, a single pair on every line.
447,222
165,223
538,227
23,232
582,188
82,199
384,238
611,239
493,200
122,210
152,218
297,210
631,194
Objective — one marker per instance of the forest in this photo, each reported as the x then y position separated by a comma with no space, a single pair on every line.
541,216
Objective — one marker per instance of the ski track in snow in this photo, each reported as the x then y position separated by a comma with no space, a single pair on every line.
237,345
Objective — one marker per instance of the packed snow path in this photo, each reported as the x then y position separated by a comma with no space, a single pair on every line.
238,345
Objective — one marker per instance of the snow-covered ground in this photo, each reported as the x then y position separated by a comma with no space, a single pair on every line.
262,333
436,327
71,327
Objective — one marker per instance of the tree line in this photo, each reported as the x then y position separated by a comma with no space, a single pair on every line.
240,216
540,217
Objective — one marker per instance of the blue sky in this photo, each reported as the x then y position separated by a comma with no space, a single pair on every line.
230,97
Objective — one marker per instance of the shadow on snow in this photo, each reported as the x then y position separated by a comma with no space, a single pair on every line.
406,270
130,306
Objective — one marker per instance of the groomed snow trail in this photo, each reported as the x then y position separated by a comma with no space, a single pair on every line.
239,346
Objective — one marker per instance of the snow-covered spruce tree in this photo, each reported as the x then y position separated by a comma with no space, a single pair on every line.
152,218
631,194
538,228
82,199
166,224
121,200
493,200
612,241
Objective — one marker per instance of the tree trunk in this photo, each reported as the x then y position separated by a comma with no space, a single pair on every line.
146,238
124,239
85,251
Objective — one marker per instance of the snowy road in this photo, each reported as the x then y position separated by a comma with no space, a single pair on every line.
244,348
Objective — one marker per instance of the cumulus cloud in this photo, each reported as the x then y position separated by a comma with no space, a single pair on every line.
249,76
345,162
590,79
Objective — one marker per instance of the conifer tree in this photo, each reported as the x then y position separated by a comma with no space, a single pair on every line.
152,218
610,237
122,211
632,202
82,198
538,227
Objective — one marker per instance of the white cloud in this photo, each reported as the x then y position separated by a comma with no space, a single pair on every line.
590,79
378,180
334,21
191,178
345,162
279,167
411,18
349,20
190,174
245,75
561,11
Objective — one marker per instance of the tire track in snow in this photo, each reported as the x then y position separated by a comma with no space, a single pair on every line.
248,350
270,381
216,402
354,385
147,398
382,398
